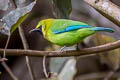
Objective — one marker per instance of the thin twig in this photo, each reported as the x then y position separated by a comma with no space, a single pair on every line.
25,45
4,55
3,59
82,52
44,67
9,70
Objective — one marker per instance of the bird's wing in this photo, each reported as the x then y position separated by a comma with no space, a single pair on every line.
71,28
62,25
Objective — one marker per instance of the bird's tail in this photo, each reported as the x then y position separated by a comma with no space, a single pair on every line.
102,29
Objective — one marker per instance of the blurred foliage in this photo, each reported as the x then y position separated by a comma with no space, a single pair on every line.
112,58
118,78
62,8
67,72
57,63
4,4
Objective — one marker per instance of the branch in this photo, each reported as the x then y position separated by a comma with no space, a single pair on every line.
83,52
9,70
25,45
107,9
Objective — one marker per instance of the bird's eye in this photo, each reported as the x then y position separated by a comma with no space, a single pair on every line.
40,30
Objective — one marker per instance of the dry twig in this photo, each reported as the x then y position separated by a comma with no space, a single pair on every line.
3,59
9,70
25,45
107,9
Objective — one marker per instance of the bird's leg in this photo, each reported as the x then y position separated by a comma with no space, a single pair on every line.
77,47
62,49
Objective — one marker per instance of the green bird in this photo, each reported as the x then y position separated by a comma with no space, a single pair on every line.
65,32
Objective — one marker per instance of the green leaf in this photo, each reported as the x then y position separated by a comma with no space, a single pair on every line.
111,58
20,20
12,20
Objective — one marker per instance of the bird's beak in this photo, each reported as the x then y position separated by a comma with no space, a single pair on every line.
36,30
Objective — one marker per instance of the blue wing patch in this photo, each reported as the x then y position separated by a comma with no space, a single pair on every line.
102,29
71,28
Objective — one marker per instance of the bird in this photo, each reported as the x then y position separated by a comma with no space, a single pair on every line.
65,32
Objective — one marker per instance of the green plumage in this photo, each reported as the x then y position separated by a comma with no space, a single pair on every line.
61,24
69,38
67,32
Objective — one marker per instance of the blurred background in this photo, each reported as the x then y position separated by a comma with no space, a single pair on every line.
87,68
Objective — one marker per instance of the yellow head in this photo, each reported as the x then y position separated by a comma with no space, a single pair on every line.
45,25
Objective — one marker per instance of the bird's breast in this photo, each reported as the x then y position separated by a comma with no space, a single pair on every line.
67,38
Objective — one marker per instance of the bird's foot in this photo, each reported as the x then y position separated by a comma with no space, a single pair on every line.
77,47
62,49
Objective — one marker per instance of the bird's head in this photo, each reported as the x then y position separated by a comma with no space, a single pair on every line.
42,26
